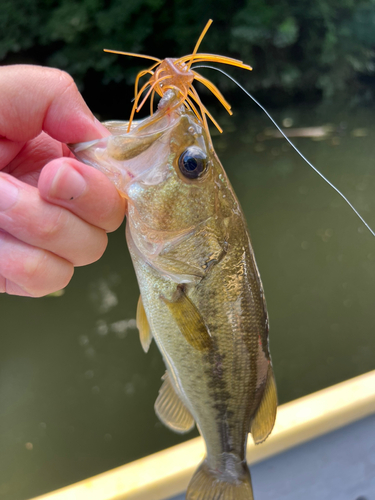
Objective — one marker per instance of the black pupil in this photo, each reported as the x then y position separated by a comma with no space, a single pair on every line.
192,162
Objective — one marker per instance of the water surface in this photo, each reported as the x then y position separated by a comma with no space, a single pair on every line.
76,389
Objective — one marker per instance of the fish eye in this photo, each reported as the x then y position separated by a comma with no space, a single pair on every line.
192,162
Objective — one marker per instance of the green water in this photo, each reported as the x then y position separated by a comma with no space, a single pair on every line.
76,389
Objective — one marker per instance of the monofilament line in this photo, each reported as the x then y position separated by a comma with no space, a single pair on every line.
293,146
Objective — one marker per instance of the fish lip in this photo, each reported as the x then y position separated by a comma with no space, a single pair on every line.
77,147
113,127
139,132
117,154
122,173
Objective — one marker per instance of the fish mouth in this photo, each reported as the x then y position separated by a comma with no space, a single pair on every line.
130,151
124,156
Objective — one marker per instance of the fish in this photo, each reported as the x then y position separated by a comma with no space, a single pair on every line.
201,295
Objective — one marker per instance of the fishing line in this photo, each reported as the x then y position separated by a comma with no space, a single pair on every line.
293,146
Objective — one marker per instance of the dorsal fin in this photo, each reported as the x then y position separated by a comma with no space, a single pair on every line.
171,410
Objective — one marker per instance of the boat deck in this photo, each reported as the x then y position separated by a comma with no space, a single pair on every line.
322,448
337,466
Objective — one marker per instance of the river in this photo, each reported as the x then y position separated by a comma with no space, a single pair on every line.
76,389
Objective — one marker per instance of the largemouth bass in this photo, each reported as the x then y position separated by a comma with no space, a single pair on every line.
201,298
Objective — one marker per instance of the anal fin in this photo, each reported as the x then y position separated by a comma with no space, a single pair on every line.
145,335
265,416
171,410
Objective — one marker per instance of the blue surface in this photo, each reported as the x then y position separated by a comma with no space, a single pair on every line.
337,466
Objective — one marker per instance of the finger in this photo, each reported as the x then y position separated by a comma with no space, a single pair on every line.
84,191
34,98
30,271
27,217
8,151
26,166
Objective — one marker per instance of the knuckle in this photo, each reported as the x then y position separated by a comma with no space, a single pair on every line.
66,82
65,77
59,78
50,227
60,75
32,267
45,273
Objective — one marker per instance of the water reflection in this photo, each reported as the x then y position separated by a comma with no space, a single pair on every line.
76,389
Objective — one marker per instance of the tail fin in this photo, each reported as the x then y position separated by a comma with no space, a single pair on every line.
207,484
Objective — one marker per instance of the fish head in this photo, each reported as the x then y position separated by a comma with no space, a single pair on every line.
177,191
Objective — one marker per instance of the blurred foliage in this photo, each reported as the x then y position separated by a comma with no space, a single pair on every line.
298,48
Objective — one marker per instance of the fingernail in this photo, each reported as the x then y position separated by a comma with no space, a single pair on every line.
8,194
68,184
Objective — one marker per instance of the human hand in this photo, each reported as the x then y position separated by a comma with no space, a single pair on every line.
54,210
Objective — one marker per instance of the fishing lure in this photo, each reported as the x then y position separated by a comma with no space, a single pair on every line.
178,74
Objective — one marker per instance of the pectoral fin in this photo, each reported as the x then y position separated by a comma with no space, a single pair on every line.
171,410
145,335
189,321
265,417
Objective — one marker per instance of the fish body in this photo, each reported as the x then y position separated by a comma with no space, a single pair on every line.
201,294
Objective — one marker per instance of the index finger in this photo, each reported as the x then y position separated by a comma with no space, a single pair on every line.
35,98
